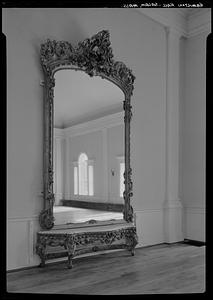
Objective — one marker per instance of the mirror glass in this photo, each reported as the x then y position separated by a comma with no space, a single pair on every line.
88,149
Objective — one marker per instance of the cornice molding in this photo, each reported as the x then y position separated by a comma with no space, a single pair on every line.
187,24
199,22
168,17
95,125
198,11
59,133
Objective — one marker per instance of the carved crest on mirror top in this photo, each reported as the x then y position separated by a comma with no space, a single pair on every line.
93,56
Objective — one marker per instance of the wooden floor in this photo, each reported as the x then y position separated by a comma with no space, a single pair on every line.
176,268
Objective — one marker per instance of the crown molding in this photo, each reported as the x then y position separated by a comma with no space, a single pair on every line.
195,12
168,17
59,133
185,21
185,11
95,125
199,21
105,122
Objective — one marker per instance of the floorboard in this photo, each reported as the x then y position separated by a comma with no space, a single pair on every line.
161,269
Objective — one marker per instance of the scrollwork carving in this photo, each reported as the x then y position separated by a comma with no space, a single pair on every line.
128,111
93,55
46,219
92,221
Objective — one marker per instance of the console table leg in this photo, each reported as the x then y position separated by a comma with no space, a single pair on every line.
132,251
71,250
69,262
41,251
42,264
132,241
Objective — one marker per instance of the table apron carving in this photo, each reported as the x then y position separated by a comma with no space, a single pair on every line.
52,245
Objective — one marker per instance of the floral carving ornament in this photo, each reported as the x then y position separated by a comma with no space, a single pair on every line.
93,55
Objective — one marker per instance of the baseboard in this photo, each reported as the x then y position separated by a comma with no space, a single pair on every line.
115,207
64,259
194,243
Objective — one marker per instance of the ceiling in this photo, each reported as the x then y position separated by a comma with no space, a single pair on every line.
80,98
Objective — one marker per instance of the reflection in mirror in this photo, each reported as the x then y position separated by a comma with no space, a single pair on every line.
88,149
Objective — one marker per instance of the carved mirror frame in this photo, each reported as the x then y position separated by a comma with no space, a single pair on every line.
93,56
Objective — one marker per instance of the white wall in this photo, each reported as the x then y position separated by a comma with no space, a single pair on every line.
139,42
115,149
193,108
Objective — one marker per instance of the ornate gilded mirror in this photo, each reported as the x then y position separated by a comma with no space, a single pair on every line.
106,86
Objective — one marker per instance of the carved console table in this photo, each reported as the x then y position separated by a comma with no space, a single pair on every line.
69,243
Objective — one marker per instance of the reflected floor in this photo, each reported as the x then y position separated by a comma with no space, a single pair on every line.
65,215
